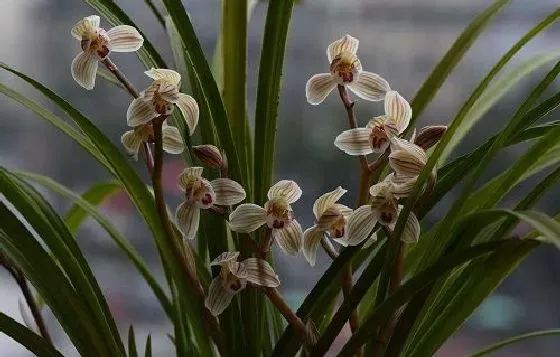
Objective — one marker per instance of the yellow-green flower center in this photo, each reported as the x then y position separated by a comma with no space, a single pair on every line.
279,213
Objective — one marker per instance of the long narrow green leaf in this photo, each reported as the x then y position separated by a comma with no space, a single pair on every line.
141,197
452,58
275,36
148,349
57,122
95,195
83,208
494,92
513,340
132,352
27,338
203,75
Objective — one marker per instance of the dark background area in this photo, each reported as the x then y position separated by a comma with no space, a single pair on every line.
400,39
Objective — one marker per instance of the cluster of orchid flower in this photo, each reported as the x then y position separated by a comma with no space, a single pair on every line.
333,219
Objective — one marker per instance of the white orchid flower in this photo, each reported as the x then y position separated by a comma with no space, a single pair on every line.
375,137
406,158
330,218
346,70
96,45
133,139
277,214
159,99
203,194
233,277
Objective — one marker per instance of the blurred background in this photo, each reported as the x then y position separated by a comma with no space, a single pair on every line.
400,39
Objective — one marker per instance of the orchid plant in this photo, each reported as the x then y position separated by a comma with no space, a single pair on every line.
406,285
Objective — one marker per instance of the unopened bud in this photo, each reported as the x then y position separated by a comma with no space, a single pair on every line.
209,155
429,136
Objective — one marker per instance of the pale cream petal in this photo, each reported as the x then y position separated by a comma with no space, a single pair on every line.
328,218
140,112
189,109
327,200
354,141
188,218
377,121
311,242
172,140
411,231
360,224
380,188
167,75
219,297
369,86
259,272
228,192
345,210
188,174
247,217
407,163
131,142
319,87
402,185
224,257
289,238
286,189
125,38
84,69
84,26
398,112
347,43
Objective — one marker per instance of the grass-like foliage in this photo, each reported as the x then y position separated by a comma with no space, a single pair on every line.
406,286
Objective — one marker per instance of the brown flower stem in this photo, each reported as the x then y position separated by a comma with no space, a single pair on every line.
21,281
353,123
328,248
287,312
264,246
211,323
112,67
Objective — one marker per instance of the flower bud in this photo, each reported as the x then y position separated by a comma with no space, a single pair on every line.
209,155
429,136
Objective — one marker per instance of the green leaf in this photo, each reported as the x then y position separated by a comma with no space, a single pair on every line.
132,352
276,31
496,91
95,196
57,122
452,58
234,51
82,208
513,340
116,16
148,349
202,74
416,283
156,12
27,338
142,199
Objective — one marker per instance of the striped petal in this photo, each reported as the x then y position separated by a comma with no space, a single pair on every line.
131,142
319,87
259,272
402,185
125,38
140,112
407,163
189,109
84,69
219,297
346,44
354,141
228,192
84,26
286,189
370,86
172,140
360,224
325,201
188,174
166,75
398,112
224,257
311,242
289,238
188,218
411,231
247,217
